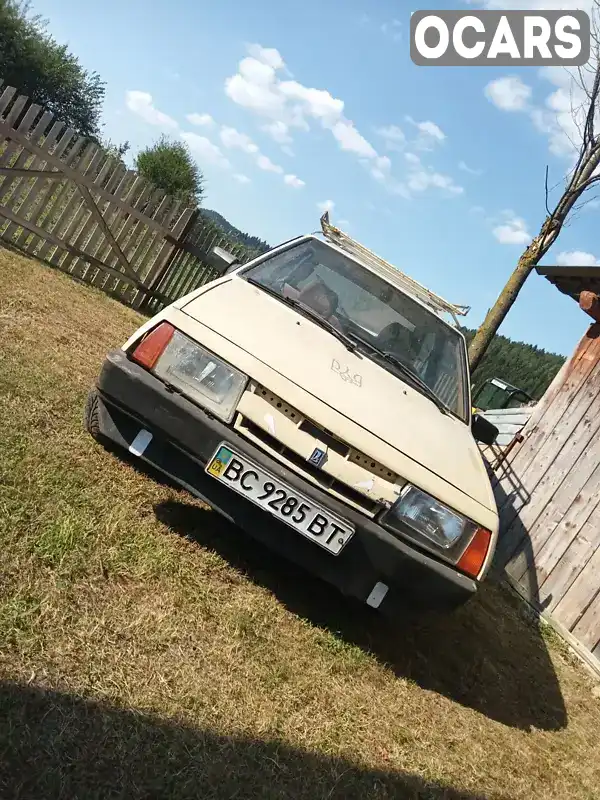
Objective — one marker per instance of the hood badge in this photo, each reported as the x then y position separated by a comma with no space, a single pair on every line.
317,457
345,373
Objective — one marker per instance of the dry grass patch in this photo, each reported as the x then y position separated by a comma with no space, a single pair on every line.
149,649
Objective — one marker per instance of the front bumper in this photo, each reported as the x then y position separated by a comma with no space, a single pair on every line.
185,438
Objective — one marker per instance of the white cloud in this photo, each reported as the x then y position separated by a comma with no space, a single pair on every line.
513,230
418,178
393,137
264,162
421,177
351,140
470,170
560,117
577,258
399,188
508,93
140,103
343,223
202,120
255,87
266,55
316,103
326,205
289,105
205,151
432,130
233,139
380,168
429,134
241,178
293,181
278,131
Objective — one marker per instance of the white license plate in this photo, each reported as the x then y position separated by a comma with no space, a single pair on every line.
288,505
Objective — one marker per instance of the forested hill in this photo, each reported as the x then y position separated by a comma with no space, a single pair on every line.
253,243
524,365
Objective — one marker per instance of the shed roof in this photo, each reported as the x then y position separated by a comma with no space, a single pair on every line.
572,280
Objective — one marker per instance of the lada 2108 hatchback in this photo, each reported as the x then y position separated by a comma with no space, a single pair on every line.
320,399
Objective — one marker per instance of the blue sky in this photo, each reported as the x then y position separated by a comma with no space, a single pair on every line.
290,106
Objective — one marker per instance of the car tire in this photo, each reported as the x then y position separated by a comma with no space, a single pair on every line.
91,422
91,415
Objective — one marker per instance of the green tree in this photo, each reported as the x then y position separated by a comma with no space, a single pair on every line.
116,151
169,164
35,64
524,365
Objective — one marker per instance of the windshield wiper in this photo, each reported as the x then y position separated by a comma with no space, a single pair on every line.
424,387
348,343
405,370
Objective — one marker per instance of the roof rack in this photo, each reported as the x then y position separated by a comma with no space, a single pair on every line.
434,301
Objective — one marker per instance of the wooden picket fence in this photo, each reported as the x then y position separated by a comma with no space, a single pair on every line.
64,200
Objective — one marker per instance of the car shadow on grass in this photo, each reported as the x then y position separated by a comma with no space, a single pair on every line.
489,655
58,745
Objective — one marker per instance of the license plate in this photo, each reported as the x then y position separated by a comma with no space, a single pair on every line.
288,505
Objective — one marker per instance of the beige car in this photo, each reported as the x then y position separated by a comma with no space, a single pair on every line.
320,399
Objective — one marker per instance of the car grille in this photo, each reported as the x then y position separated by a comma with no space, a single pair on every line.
326,436
329,482
322,478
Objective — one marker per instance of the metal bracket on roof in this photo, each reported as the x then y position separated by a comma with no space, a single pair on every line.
434,301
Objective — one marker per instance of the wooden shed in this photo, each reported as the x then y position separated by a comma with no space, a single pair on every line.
547,486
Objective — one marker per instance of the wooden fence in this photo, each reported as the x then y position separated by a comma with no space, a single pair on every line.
64,200
548,495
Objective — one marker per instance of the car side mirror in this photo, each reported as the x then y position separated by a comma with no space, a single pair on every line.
483,430
221,260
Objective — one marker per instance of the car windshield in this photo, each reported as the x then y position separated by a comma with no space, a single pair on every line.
365,307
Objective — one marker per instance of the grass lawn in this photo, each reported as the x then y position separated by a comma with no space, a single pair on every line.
149,649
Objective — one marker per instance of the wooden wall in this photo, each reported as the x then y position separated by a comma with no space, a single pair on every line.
548,495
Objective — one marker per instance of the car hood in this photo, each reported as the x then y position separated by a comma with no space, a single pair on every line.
352,384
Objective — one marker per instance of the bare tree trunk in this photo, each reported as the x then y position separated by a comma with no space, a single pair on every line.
495,316
583,177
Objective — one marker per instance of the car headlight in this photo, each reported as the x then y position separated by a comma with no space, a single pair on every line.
201,376
429,518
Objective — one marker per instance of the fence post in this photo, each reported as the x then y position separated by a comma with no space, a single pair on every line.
163,269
